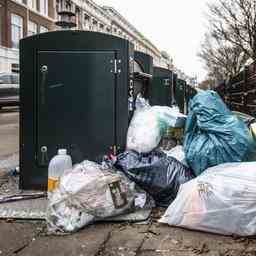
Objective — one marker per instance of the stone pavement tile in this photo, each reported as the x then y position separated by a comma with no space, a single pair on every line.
125,240
14,236
86,242
174,253
163,238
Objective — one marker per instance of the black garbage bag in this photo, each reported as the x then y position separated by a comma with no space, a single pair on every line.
156,173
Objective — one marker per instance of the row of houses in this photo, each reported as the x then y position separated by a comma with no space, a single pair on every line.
21,18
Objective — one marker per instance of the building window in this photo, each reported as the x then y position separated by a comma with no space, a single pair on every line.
108,29
32,28
43,29
86,21
44,7
32,4
95,25
16,30
68,6
58,7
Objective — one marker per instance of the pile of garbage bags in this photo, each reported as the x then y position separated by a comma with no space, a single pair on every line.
207,183
91,192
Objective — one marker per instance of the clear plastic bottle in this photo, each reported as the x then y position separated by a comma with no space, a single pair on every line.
58,164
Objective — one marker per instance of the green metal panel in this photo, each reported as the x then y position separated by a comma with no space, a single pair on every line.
71,110
180,94
160,90
145,60
190,92
80,103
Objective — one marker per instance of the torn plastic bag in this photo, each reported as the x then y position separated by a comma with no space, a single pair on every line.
177,153
156,173
141,102
213,134
86,194
221,200
149,124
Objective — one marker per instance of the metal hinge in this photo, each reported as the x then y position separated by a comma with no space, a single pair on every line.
167,82
115,66
116,69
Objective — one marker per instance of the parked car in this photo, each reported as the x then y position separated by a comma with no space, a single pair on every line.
9,89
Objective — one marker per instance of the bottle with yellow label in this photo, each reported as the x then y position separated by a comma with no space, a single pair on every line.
58,164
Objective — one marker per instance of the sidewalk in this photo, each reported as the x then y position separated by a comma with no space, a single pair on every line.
29,238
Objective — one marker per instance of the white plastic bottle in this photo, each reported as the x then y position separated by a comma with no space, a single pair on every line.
58,164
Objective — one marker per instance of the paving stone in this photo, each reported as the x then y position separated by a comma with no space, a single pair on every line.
125,240
14,236
87,242
169,239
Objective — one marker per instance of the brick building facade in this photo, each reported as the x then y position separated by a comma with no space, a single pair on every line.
20,18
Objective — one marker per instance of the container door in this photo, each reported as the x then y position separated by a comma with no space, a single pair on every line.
160,91
76,104
180,94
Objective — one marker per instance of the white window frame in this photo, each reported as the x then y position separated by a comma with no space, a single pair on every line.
16,23
32,28
32,4
44,7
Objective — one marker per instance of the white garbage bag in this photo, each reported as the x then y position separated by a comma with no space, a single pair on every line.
86,194
221,200
177,153
149,124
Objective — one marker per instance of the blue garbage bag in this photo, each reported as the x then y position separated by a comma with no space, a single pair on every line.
213,135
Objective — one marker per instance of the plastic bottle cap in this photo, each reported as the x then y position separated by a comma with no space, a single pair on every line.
62,152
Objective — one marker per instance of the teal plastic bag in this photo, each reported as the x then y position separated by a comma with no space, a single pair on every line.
213,135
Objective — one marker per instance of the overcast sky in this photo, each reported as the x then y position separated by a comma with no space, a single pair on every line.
176,26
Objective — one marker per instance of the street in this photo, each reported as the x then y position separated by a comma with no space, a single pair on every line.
29,238
9,132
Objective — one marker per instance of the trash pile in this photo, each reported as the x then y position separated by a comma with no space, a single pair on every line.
89,192
216,144
204,175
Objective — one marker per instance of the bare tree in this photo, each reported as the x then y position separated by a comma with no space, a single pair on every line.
207,84
235,22
221,58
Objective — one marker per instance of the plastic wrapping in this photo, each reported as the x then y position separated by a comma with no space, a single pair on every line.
213,134
149,124
156,173
141,102
177,153
221,200
10,163
86,194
